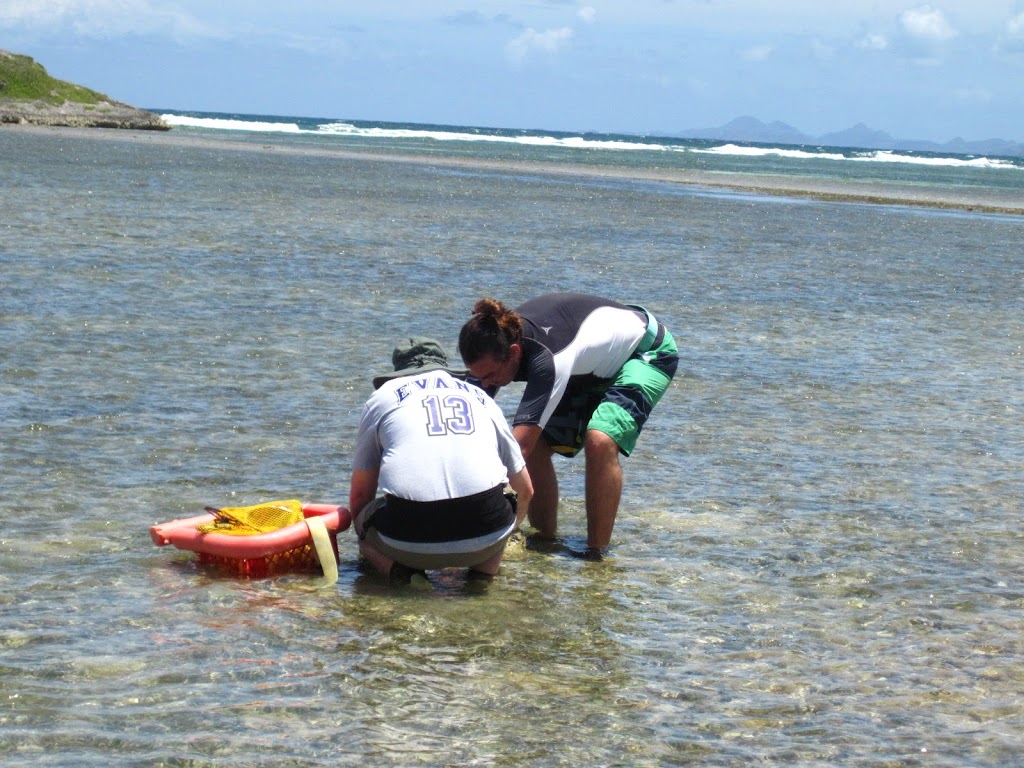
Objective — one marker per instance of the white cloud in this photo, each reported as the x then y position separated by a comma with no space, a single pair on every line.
549,41
699,85
27,12
822,50
587,14
757,53
874,42
928,24
973,95
1013,37
104,18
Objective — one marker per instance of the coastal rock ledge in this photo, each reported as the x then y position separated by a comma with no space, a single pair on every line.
102,114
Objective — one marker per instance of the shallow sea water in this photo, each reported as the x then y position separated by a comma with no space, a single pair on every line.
818,559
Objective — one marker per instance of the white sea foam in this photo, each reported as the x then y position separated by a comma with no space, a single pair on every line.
347,129
736,149
576,142
888,156
341,128
869,156
225,124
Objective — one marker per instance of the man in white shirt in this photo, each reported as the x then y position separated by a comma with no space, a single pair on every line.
440,452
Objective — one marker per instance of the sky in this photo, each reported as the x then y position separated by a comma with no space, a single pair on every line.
936,71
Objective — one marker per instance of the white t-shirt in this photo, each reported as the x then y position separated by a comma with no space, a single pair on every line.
435,437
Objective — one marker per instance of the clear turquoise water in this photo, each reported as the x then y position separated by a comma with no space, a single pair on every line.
818,560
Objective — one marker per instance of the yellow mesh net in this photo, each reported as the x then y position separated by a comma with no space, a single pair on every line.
249,521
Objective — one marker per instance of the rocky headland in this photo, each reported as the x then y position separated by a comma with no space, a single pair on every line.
29,96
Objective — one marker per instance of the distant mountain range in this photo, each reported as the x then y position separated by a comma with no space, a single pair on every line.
752,130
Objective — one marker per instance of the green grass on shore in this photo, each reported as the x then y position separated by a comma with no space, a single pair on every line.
21,77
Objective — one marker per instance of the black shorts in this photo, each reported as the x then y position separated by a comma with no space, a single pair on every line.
439,534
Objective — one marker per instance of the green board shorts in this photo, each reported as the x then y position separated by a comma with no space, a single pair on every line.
619,407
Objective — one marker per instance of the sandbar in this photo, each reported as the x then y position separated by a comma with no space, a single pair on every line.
818,188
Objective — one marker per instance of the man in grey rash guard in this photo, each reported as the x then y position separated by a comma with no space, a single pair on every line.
594,370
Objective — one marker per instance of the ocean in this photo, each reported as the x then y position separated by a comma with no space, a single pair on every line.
818,559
